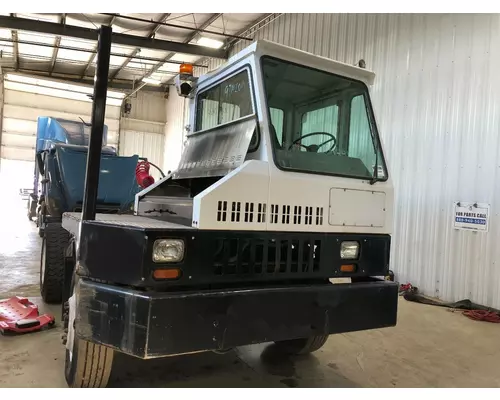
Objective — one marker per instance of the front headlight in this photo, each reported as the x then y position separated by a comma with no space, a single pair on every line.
349,250
168,250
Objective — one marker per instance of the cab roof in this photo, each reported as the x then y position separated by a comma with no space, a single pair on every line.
261,48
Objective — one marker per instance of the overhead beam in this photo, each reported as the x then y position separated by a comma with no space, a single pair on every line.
51,28
252,28
158,25
15,46
191,36
199,29
54,54
203,26
92,57
124,85
246,32
151,34
31,43
56,48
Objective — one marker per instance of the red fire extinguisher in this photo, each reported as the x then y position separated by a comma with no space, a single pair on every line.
144,179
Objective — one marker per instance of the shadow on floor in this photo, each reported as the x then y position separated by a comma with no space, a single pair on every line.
235,369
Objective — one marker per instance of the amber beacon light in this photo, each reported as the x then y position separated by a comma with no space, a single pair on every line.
186,69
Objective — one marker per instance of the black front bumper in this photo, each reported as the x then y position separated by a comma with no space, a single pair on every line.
149,325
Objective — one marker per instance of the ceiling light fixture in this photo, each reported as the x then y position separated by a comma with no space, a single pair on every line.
151,81
207,42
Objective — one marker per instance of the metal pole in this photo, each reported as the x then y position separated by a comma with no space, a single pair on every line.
96,131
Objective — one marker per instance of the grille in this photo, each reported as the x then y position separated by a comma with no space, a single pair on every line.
273,256
286,214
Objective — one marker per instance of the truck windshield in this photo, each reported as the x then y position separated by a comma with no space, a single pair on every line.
320,122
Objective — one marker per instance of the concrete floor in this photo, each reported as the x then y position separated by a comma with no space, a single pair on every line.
430,347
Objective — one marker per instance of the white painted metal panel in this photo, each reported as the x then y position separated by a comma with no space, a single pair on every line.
130,124
148,107
360,208
20,126
144,144
436,97
18,140
17,153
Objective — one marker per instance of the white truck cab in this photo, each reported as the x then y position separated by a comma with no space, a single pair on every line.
292,141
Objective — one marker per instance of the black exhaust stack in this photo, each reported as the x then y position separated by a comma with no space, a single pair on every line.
97,129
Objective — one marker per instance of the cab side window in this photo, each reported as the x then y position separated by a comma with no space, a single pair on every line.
225,102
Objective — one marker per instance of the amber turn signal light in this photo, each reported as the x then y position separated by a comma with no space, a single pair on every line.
347,268
167,273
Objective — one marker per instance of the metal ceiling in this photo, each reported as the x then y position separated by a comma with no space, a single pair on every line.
152,46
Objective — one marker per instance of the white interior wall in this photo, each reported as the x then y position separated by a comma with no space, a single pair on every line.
22,109
21,105
142,132
436,97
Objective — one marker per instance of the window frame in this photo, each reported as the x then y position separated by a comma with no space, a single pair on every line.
374,133
248,69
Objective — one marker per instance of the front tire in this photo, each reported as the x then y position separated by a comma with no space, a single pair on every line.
54,243
87,365
90,366
302,346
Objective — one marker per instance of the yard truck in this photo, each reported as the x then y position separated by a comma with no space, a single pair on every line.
274,227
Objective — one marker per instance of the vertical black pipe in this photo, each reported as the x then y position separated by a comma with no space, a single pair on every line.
96,132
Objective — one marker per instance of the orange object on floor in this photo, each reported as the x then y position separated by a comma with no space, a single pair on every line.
483,315
19,315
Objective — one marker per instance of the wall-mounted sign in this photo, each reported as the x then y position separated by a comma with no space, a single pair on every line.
471,216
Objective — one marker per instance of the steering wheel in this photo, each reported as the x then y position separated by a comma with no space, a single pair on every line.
313,148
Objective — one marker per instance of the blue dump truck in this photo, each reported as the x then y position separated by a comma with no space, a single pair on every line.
59,177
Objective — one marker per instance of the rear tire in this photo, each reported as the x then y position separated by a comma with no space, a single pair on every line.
54,243
87,365
40,214
302,346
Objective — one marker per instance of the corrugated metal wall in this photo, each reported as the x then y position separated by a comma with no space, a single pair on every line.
142,132
21,110
436,96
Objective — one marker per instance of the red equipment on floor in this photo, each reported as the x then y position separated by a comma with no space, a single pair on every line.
142,174
19,315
